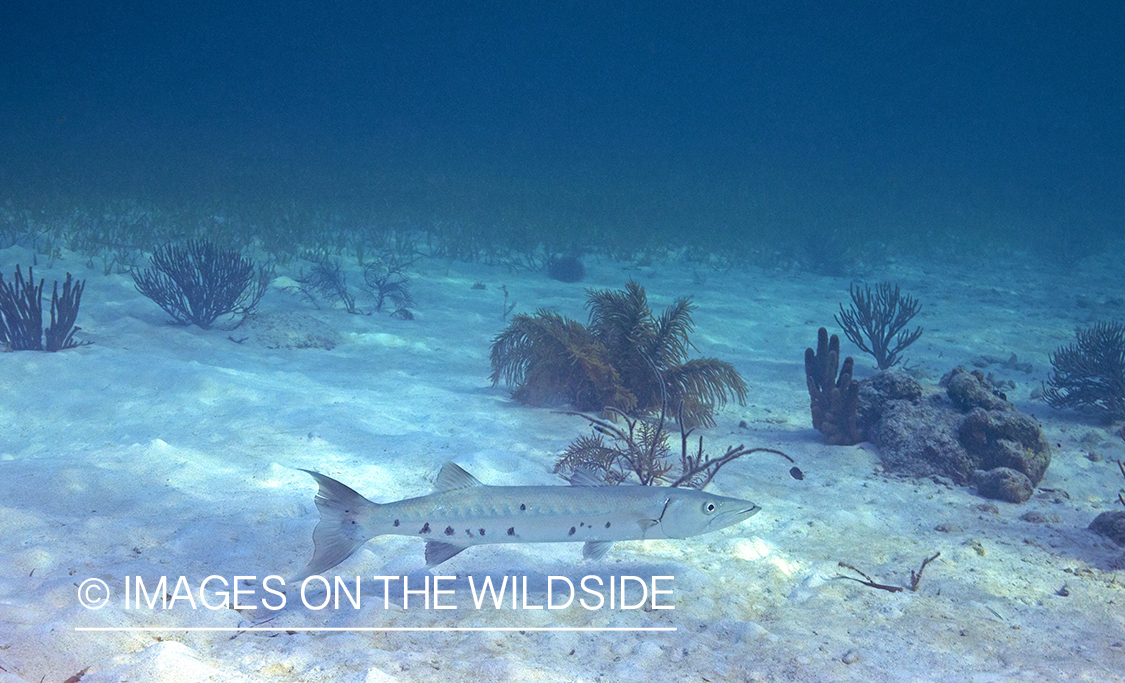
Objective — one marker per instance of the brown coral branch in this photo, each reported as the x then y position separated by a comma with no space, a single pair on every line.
867,580
915,579
641,447
693,466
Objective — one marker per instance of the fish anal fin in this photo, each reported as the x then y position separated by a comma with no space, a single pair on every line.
452,477
438,552
596,550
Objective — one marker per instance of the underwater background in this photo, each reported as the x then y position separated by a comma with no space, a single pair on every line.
766,123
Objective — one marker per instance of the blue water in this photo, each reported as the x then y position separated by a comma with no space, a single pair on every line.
699,123
856,140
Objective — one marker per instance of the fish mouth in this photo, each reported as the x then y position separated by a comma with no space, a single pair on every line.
736,516
750,511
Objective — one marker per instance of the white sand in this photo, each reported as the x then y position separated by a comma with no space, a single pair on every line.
170,451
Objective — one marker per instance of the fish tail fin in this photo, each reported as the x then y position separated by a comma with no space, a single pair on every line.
340,531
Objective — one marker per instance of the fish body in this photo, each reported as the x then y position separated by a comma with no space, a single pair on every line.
463,512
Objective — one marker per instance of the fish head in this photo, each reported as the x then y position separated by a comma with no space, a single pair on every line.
690,512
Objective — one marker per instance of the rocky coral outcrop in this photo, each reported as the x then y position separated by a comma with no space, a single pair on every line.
1004,483
971,434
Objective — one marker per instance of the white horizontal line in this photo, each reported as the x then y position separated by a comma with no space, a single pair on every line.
282,629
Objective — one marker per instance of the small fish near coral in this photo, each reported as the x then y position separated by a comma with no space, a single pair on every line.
463,512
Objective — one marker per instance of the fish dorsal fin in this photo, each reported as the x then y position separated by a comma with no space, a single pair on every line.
438,551
584,477
452,477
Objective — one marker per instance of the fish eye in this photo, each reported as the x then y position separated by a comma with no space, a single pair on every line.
709,507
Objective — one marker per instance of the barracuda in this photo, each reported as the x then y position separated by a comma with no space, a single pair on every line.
463,512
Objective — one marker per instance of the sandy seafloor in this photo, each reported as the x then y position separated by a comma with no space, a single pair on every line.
171,451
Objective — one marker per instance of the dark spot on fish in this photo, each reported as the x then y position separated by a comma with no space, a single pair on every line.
607,525
482,532
796,473
425,529
511,531
522,507
581,524
571,532
469,533
396,522
448,531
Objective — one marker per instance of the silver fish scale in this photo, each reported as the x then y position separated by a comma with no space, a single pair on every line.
548,514
464,512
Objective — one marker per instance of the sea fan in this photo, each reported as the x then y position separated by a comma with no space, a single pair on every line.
625,358
880,317
326,281
21,313
1090,374
197,283
549,357
388,282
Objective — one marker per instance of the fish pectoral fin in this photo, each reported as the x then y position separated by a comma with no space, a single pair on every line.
596,550
647,524
438,552
451,478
